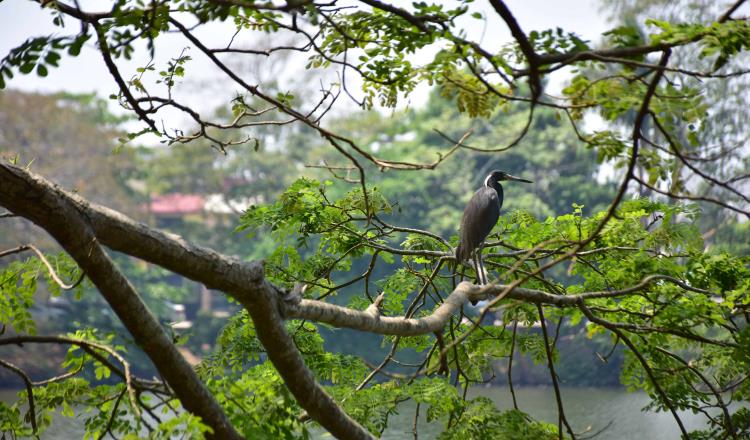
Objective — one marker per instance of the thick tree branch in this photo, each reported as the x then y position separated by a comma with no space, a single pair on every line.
49,208
227,274
62,214
121,233
264,304
363,320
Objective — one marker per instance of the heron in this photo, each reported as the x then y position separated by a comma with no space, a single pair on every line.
480,217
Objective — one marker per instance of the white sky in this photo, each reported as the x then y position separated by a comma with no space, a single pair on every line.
21,19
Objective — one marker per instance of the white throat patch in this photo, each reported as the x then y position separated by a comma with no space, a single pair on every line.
487,181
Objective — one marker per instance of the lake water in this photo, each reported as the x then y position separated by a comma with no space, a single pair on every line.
585,408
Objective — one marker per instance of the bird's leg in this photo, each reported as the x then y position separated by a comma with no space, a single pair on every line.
475,259
481,269
481,264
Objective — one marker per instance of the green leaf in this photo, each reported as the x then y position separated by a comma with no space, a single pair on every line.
26,68
41,70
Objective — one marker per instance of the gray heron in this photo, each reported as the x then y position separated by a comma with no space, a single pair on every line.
479,218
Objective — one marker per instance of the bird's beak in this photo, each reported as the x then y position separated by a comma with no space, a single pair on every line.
517,179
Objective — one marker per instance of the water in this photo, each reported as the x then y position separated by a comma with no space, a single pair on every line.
62,428
586,409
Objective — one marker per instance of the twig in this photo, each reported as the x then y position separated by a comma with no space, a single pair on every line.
112,415
510,364
414,430
643,362
553,375
46,263
112,67
714,391
29,391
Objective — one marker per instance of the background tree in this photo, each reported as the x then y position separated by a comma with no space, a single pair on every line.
636,271
723,135
76,126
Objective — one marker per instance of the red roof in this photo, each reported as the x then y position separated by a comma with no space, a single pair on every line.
177,204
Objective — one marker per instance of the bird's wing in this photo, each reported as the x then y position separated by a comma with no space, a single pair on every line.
479,218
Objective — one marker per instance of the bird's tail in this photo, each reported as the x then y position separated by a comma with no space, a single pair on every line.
461,253
460,258
457,261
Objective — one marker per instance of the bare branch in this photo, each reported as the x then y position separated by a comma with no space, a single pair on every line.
15,250
114,71
345,317
562,420
728,14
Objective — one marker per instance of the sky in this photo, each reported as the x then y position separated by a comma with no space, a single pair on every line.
21,19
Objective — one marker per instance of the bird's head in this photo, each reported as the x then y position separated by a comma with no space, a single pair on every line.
499,176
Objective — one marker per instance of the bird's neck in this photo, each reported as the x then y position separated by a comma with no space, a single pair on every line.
490,182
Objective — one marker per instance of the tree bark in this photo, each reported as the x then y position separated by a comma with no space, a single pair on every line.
80,227
48,207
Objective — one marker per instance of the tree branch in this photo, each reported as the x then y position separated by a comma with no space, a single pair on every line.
29,391
523,42
114,71
55,277
362,320
561,419
264,304
61,214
